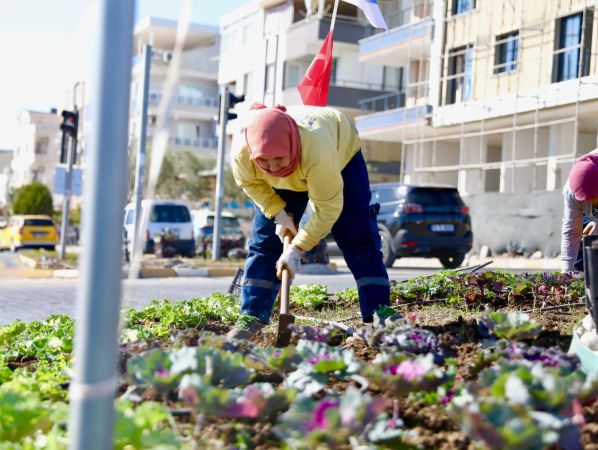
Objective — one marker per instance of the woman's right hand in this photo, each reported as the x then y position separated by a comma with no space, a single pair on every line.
284,225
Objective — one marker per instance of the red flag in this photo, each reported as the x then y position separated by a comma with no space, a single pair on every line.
314,86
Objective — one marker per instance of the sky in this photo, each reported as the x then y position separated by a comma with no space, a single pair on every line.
47,46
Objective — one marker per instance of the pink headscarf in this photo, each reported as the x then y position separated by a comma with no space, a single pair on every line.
583,178
272,133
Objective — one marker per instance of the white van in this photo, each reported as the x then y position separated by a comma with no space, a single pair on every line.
157,216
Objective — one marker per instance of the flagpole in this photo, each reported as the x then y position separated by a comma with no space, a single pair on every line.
334,16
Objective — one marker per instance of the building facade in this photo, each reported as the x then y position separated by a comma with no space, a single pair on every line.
5,163
267,46
38,150
191,121
497,95
511,102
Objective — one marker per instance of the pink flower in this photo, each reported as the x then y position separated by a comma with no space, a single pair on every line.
409,370
161,373
319,419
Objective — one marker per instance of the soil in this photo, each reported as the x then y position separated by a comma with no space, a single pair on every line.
458,335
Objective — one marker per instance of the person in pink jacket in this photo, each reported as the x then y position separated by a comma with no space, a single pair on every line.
580,215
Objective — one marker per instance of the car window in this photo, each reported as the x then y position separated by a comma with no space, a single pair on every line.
39,222
434,196
130,216
386,195
170,214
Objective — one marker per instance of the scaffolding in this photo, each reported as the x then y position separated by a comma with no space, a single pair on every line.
516,99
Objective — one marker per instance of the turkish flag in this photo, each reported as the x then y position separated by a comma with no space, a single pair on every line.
314,86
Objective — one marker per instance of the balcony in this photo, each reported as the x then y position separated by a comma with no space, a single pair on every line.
395,116
195,143
192,107
398,46
200,62
305,36
343,94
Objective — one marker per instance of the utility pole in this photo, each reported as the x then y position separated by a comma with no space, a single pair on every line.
93,387
223,118
70,128
226,101
140,164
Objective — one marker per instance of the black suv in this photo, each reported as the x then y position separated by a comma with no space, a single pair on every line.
426,221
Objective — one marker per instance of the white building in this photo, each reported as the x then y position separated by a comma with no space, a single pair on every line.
5,162
192,126
267,46
38,149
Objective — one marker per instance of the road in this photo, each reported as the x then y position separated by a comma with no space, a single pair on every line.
35,299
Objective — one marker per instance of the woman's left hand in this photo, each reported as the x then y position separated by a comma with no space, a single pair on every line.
291,260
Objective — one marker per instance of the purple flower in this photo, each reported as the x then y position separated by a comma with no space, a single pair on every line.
319,420
320,357
161,373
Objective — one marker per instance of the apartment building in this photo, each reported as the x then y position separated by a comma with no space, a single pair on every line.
38,149
511,103
191,123
5,162
267,46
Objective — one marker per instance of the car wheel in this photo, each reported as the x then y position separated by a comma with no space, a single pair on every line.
388,256
452,262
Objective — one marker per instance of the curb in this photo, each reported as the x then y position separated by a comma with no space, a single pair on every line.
29,262
497,263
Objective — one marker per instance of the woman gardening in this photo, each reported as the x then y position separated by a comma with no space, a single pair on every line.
287,159
580,216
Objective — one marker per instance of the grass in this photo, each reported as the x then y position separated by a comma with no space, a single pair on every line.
69,257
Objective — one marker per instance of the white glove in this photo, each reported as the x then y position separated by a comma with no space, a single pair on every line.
291,260
284,225
591,228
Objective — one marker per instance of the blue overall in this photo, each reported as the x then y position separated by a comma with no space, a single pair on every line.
355,232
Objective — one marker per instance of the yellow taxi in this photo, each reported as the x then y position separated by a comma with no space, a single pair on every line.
29,231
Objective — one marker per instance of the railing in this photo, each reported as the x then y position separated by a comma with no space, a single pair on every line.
415,94
355,84
210,102
194,142
419,10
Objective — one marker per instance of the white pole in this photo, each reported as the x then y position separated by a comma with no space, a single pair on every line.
140,165
93,388
332,22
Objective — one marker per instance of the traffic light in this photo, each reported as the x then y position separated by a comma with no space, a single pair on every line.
70,123
69,127
232,101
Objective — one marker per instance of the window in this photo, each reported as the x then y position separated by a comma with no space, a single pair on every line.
460,74
333,71
270,74
170,214
41,145
506,52
292,75
247,85
392,78
570,40
247,33
461,6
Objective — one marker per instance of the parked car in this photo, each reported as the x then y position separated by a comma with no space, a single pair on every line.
161,218
426,221
28,231
231,236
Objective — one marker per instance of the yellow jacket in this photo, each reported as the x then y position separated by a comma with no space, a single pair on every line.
328,142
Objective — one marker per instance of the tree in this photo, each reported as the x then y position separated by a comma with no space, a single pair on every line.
34,198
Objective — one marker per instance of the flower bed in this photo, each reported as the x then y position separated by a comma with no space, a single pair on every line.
486,380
